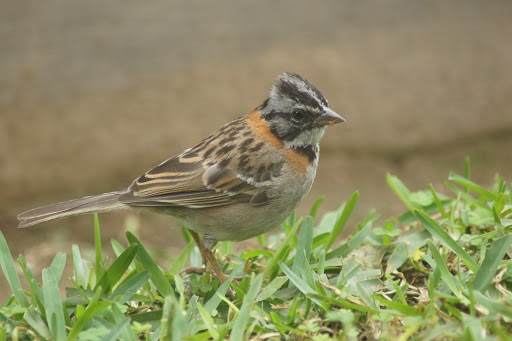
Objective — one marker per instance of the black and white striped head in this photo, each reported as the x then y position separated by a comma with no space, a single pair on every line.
297,112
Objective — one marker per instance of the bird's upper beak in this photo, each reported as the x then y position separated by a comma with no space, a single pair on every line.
329,117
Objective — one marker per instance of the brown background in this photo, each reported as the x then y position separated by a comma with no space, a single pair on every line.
94,93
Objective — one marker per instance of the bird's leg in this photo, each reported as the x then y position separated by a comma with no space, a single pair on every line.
208,257
200,246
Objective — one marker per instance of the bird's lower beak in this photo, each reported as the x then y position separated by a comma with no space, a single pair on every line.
329,117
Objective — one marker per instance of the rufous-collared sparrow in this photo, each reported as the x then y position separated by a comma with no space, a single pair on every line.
239,182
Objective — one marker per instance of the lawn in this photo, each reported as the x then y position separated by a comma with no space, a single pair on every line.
440,271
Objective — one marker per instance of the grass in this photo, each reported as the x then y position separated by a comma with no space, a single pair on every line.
440,271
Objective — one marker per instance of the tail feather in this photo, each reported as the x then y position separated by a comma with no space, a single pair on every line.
93,204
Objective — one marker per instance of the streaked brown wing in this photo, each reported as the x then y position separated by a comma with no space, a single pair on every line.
176,175
190,200
187,180
184,181
218,171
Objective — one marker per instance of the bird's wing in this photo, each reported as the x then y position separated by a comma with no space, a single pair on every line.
214,173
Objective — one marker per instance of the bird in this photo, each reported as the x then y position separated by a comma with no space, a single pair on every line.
239,182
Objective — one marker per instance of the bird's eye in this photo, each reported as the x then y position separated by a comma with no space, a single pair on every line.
298,116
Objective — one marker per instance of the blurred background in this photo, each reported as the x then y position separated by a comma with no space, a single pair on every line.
94,93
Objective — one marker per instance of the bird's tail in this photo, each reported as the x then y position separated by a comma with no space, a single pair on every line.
93,204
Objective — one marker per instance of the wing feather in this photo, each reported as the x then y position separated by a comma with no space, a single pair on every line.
207,175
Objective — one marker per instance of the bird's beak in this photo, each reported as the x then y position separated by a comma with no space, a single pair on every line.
329,117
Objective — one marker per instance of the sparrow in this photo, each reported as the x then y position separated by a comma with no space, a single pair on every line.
239,182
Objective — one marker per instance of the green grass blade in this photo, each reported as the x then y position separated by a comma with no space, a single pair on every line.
320,266
117,331
491,262
364,294
304,244
35,288
302,285
9,270
445,272
493,305
117,269
181,261
36,322
117,247
439,233
472,186
85,316
409,217
307,273
179,325
398,257
271,288
78,267
216,299
149,316
292,313
398,289
58,265
438,203
130,287
53,303
466,197
467,168
345,249
127,334
242,321
342,219
97,248
273,262
342,303
316,205
208,321
397,306
286,329
157,276
401,190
